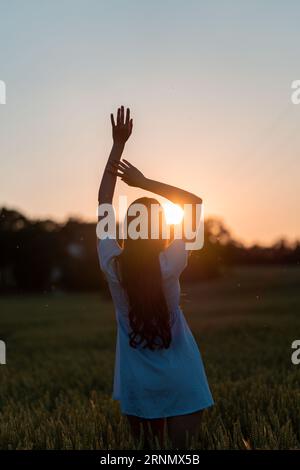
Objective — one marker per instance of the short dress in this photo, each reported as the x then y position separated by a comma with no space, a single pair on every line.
165,382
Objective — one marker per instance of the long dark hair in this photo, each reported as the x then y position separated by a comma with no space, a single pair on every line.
140,273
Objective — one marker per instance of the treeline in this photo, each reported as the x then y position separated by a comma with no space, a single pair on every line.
42,255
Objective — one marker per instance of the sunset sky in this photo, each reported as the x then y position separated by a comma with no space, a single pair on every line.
209,86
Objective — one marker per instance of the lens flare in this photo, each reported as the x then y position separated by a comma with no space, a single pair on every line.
173,213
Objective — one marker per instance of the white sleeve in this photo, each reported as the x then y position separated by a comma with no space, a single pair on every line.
174,258
108,249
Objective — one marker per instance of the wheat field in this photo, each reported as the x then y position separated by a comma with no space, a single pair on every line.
56,385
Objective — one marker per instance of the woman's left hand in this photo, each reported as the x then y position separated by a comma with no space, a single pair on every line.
128,173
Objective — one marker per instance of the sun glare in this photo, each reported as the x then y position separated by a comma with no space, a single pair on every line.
173,213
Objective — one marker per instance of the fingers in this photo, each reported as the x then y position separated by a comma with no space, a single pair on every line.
117,168
112,120
121,119
127,122
114,164
129,165
118,165
124,165
114,172
121,165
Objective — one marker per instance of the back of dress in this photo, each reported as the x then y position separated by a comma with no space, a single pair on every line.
156,383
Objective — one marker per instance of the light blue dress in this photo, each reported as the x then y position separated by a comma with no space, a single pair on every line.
160,383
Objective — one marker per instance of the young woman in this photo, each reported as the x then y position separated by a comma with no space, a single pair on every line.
159,375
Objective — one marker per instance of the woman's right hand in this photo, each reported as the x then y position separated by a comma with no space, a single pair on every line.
128,173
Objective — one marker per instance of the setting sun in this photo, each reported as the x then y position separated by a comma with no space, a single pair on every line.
173,213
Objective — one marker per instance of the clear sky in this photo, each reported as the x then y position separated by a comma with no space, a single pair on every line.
209,85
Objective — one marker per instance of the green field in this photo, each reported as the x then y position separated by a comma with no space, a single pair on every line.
56,386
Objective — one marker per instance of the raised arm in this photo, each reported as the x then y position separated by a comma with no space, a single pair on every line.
133,177
174,194
121,131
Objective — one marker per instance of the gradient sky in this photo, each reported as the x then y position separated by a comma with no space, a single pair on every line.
209,85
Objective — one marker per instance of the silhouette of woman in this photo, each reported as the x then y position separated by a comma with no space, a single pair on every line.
159,375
